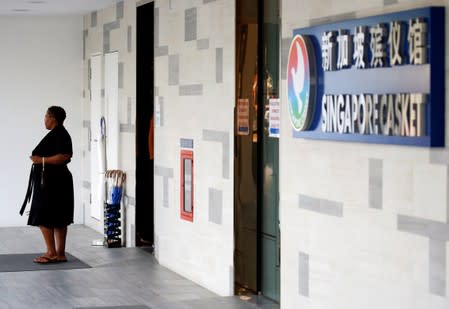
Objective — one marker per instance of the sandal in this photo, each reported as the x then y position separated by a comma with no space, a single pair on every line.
45,260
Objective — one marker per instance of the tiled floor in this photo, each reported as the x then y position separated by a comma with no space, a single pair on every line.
119,278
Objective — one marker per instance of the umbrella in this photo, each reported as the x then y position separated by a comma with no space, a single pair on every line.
115,180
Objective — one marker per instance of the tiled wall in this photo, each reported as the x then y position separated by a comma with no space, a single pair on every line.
369,227
195,86
110,30
194,96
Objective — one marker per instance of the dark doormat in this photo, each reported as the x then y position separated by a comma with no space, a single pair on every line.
116,307
24,262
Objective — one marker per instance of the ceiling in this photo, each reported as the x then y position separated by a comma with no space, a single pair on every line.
52,7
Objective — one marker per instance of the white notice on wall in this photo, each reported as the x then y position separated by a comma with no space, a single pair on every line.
157,114
274,120
243,117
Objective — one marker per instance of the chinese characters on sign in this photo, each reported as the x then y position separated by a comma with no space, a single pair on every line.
396,40
361,47
397,114
417,41
340,50
329,50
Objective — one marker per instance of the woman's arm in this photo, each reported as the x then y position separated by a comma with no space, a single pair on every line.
56,159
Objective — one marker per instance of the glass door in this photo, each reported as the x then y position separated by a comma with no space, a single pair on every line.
256,170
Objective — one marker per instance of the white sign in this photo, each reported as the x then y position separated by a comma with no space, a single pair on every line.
274,118
157,114
243,117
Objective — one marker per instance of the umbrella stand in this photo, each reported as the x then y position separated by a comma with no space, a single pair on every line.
113,218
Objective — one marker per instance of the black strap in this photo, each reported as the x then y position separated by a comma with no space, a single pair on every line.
29,191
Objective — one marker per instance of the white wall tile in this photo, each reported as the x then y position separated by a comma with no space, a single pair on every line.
185,117
360,260
117,42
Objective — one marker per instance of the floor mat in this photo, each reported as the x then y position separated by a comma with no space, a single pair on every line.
24,262
115,307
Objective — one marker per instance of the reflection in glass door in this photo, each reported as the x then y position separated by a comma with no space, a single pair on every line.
269,213
246,149
256,169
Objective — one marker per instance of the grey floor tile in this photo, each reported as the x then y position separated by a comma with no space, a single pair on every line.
128,278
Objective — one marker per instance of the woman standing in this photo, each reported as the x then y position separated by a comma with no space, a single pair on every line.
52,185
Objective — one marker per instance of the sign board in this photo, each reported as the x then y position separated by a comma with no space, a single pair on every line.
378,79
274,117
243,117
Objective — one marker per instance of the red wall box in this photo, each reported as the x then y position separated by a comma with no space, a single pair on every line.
187,185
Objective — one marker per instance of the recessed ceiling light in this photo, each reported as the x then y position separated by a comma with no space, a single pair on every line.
37,2
20,10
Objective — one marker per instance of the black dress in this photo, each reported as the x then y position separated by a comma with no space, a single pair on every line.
52,203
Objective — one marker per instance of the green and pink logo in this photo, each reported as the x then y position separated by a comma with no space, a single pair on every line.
301,82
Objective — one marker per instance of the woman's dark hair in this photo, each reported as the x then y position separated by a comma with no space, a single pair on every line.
58,113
